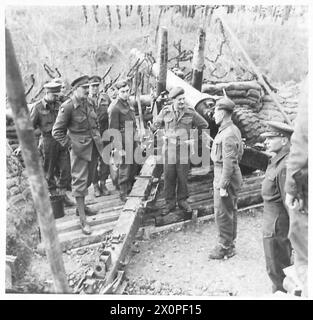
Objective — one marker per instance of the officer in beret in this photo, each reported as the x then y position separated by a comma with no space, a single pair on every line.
101,102
78,118
277,248
226,152
177,119
56,159
121,114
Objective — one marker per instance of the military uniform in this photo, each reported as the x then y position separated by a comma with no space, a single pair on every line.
226,153
177,125
121,112
56,161
277,248
101,103
80,119
297,186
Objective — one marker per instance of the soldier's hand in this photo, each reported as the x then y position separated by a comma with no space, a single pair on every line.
17,152
291,201
223,192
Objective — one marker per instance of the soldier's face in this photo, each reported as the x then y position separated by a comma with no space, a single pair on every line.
123,93
179,102
82,92
218,116
51,96
112,93
274,144
63,89
94,89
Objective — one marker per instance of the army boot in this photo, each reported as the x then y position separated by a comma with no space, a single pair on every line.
89,212
68,202
221,252
169,206
104,189
97,191
123,192
86,229
184,205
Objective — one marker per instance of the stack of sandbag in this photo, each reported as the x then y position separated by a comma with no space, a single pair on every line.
287,96
243,93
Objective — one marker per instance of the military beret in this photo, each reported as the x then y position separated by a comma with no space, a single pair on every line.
52,87
81,81
225,104
278,129
94,80
175,92
121,84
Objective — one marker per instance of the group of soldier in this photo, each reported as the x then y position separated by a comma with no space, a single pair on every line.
72,147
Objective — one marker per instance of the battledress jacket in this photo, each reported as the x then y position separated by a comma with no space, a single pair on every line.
226,152
172,124
80,119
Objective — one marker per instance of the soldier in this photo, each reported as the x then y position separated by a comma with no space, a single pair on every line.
121,112
296,188
177,119
56,160
62,96
226,152
277,248
101,102
77,116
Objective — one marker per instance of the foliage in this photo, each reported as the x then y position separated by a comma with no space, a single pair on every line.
78,40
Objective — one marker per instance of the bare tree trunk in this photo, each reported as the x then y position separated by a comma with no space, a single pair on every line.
25,132
198,61
162,57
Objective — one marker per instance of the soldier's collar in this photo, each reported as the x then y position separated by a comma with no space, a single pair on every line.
280,155
225,125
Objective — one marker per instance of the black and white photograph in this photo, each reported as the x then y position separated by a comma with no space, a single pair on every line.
156,150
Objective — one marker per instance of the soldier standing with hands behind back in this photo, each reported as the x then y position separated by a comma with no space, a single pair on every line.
77,116
56,162
226,152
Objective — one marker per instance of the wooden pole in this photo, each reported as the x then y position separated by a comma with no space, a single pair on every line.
25,132
198,61
162,57
254,67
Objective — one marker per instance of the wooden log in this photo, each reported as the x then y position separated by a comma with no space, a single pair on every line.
129,219
198,60
38,185
254,67
162,58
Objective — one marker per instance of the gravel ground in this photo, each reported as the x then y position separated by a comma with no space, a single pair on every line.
176,263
